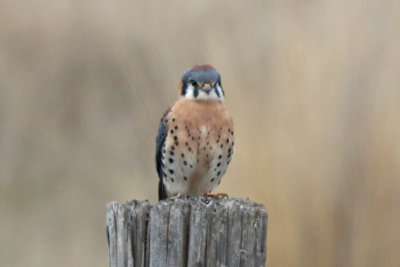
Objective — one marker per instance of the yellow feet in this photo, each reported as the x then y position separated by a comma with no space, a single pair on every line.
179,195
224,195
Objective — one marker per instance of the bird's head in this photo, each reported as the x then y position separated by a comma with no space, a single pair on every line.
202,82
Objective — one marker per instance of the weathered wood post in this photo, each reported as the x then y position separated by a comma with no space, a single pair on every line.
187,232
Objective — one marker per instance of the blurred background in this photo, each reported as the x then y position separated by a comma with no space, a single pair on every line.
313,87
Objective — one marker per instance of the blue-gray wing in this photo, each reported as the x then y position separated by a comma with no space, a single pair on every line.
160,140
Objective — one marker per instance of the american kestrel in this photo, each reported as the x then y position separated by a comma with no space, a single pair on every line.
195,140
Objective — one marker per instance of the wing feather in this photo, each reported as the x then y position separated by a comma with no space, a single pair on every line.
160,140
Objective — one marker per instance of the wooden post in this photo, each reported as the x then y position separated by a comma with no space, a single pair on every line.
187,232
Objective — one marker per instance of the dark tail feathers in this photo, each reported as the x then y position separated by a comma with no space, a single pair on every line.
161,191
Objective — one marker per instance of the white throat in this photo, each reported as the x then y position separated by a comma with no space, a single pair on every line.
213,95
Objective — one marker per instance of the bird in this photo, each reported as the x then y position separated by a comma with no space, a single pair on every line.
195,140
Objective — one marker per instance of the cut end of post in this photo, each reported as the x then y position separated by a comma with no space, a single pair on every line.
187,232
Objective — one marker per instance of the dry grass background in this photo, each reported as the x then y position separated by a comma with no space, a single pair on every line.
314,88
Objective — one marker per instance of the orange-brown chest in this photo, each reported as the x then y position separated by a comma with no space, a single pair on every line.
200,141
195,114
199,125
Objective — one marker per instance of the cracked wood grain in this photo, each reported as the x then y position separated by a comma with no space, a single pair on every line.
187,232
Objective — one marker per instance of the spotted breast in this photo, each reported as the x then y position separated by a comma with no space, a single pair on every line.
198,147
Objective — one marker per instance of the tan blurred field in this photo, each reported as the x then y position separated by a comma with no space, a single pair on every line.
313,86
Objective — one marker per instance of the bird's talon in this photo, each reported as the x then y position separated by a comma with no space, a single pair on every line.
180,196
224,195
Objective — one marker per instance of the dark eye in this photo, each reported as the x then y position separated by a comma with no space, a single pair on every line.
193,82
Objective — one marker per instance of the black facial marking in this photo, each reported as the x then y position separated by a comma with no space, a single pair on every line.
217,92
196,92
184,86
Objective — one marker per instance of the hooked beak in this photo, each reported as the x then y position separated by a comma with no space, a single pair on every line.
206,87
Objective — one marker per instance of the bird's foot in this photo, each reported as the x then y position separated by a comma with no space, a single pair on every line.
180,196
224,195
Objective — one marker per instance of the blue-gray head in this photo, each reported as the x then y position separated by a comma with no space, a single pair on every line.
202,82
